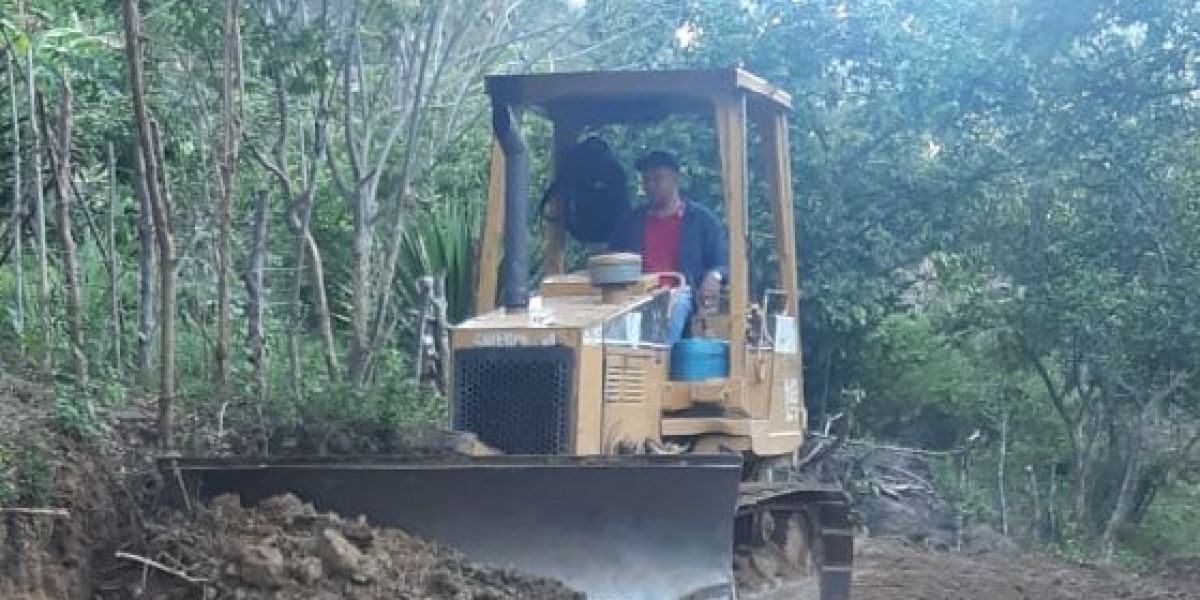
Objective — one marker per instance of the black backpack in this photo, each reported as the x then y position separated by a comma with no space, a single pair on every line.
591,187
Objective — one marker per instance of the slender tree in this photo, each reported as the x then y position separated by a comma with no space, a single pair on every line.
16,222
230,87
114,267
256,264
298,190
39,218
147,253
70,260
151,173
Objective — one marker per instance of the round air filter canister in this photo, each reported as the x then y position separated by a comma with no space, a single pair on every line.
614,269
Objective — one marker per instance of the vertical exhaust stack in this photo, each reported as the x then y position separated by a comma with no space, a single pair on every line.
515,271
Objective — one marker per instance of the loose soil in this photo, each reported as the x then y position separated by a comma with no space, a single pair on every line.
64,510
49,555
283,548
1181,574
895,570
101,500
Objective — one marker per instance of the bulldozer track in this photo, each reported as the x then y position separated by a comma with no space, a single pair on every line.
825,513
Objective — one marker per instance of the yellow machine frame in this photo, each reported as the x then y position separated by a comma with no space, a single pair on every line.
623,397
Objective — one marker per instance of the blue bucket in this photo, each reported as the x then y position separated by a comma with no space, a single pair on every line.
697,359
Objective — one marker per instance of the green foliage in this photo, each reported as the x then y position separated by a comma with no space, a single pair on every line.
26,474
1170,525
37,474
923,385
440,243
397,401
8,485
1074,544
75,414
1042,155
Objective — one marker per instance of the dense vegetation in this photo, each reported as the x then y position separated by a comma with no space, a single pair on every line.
998,204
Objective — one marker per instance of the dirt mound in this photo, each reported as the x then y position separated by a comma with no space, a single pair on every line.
896,570
283,548
58,503
78,520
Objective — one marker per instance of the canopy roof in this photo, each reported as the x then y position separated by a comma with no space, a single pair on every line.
608,97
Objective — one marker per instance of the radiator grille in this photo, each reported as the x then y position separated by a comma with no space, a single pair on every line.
624,378
515,399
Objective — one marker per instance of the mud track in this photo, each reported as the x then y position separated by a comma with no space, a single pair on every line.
893,570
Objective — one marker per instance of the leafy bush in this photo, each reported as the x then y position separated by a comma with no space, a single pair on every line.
1172,524
8,477
75,414
35,475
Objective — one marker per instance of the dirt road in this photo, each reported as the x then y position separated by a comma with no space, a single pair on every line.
892,570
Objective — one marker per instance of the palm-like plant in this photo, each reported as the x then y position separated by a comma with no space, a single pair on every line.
440,242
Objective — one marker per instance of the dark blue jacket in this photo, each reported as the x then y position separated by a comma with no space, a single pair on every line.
702,245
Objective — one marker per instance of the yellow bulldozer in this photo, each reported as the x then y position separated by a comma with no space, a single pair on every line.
603,463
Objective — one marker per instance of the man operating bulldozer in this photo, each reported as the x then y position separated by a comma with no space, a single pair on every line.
674,235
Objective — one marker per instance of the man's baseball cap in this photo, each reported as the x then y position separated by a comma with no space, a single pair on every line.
657,159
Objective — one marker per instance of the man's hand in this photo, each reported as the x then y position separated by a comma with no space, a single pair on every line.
710,288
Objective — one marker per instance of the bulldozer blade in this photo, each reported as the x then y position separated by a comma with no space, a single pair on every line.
638,527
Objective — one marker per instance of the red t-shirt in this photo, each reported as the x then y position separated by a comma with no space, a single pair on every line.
660,245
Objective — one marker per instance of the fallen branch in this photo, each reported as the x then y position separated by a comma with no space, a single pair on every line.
910,475
161,567
48,512
824,447
183,490
885,490
897,449
814,455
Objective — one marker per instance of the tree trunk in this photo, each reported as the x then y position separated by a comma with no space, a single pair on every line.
114,264
1036,521
307,251
1124,505
1082,511
166,287
423,350
441,338
254,296
1083,466
39,222
362,246
306,247
146,261
961,484
1141,428
160,208
18,202
324,321
1000,482
62,182
1153,478
1052,505
364,205
229,151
